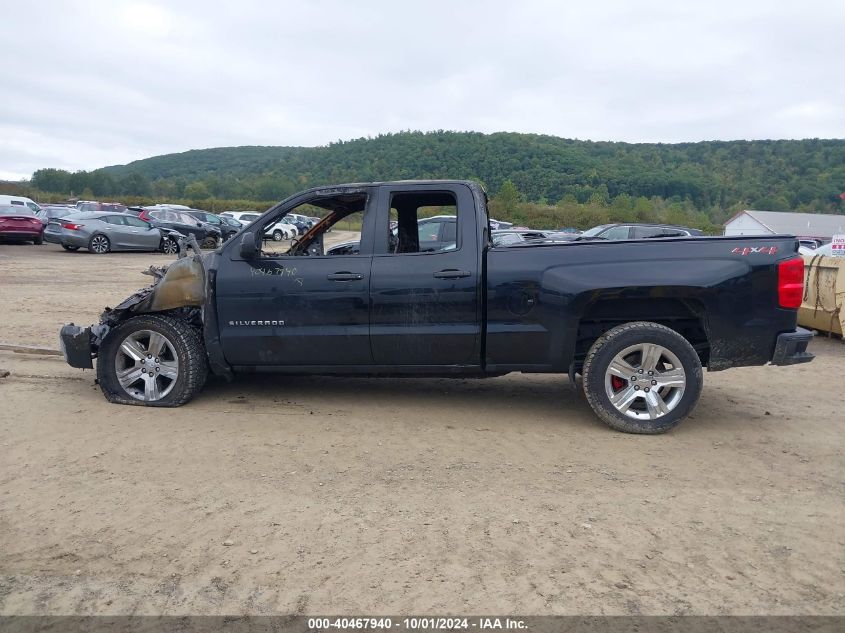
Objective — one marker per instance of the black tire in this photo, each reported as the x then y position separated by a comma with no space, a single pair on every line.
38,241
188,350
278,236
599,378
209,243
99,244
169,246
70,249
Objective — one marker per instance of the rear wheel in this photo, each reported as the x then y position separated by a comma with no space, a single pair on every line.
38,241
642,377
71,249
152,360
99,244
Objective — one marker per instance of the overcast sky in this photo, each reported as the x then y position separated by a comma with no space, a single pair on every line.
89,84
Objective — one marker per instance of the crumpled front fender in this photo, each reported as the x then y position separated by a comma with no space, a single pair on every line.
179,286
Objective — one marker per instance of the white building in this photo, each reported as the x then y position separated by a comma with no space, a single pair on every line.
818,225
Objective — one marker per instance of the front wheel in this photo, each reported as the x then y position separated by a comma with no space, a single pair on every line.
152,360
169,246
278,236
642,377
99,244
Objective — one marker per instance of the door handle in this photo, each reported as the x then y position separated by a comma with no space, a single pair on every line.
452,274
344,276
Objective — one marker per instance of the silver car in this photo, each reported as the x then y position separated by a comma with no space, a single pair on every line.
101,232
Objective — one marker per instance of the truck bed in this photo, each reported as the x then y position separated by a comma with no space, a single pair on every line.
545,301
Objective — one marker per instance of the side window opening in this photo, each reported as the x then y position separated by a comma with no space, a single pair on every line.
423,222
133,221
337,233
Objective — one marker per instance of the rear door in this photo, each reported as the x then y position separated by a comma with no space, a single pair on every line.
425,293
118,232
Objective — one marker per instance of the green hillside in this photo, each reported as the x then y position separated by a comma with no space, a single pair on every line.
712,177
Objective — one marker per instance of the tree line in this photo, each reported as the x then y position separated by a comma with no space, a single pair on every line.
562,178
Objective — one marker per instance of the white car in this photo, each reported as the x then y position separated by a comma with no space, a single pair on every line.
244,217
280,231
826,250
20,201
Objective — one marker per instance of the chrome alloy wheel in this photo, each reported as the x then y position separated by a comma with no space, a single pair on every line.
100,244
169,246
645,381
146,365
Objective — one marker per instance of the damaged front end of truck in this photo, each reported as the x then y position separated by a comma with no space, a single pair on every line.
179,290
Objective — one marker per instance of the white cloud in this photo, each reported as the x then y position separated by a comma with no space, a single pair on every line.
108,82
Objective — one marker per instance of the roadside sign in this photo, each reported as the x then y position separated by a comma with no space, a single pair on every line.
838,246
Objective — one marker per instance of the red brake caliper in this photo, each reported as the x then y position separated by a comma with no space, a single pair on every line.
617,382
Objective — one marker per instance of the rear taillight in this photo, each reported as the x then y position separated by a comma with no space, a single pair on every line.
791,283
70,226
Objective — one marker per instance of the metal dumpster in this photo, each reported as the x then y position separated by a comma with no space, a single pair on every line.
824,294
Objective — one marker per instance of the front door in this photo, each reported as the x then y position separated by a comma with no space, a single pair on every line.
144,236
299,307
425,288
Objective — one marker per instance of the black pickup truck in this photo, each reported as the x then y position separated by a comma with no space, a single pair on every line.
638,319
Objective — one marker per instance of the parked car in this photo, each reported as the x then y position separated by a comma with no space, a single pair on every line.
20,201
559,236
353,247
511,236
244,217
639,324
207,235
825,250
499,225
303,223
226,230
810,243
106,207
282,230
167,205
232,222
637,231
54,211
104,231
19,223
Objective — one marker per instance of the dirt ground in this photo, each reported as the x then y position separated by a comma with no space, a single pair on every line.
392,496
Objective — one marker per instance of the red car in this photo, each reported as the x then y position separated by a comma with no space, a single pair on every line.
21,224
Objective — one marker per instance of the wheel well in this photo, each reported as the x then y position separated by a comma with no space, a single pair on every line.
685,316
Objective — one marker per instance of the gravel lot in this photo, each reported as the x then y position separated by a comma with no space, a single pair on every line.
335,495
